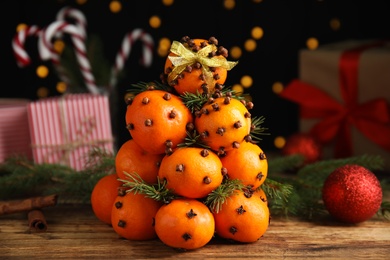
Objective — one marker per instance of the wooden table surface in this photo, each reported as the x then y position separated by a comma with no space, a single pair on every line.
73,232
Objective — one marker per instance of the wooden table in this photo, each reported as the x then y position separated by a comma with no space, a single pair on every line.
73,232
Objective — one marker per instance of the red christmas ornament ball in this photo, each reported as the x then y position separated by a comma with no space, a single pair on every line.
352,194
305,144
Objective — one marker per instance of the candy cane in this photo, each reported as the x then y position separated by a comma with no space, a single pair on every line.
22,57
124,52
79,19
78,38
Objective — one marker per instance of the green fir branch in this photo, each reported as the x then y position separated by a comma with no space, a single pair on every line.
21,178
257,129
158,191
142,86
285,163
315,174
218,197
192,139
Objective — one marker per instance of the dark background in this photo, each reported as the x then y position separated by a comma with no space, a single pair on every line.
287,24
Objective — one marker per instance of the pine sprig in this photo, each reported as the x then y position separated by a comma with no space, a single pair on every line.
218,197
315,174
158,192
194,101
21,178
141,86
384,210
285,163
257,129
192,139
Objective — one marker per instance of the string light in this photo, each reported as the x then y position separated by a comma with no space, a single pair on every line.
42,71
277,87
235,52
155,21
312,43
42,92
335,24
163,47
257,32
279,142
238,89
61,87
229,4
167,2
246,81
250,45
115,6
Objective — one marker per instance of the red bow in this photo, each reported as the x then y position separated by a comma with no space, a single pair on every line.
371,118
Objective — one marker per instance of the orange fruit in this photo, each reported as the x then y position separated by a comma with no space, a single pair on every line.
157,120
263,196
247,163
223,123
132,216
131,158
185,224
244,217
103,196
194,76
191,172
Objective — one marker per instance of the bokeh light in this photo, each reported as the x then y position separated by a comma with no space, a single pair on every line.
42,71
250,45
279,142
312,43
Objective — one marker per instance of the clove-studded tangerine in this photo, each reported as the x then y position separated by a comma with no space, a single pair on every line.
157,120
185,224
247,163
223,123
244,217
196,65
191,172
132,216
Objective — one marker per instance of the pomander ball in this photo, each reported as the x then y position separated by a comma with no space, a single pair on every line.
352,194
304,144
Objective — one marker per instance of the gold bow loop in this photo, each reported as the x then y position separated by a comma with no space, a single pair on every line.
186,57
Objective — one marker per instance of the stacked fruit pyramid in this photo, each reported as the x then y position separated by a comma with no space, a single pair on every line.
191,169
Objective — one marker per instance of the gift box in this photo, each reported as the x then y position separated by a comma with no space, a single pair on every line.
65,129
14,132
344,94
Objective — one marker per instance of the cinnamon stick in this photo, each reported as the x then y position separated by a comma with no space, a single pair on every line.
36,220
14,206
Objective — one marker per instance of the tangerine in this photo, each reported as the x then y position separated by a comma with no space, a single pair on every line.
242,218
132,216
185,224
191,172
103,196
247,163
132,158
223,123
195,72
157,120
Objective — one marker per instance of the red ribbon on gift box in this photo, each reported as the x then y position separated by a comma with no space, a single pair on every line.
371,118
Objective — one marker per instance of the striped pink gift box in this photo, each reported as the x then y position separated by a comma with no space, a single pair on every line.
14,132
65,129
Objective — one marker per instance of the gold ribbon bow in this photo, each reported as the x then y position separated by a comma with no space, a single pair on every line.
186,57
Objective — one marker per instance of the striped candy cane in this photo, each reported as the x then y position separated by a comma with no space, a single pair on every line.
46,49
79,19
21,55
125,50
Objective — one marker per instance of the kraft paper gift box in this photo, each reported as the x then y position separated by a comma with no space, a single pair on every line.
14,132
65,129
344,94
